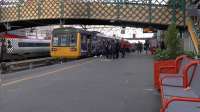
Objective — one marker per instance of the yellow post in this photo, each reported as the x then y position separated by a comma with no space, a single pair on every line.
78,44
193,35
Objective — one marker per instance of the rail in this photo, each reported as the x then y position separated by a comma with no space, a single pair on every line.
25,64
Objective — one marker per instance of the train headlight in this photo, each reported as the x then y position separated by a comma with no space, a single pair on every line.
73,49
53,49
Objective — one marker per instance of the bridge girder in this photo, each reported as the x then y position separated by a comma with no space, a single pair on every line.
141,13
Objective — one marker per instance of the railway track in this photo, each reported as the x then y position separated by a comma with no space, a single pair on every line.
7,67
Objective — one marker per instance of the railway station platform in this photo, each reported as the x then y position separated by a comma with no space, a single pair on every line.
86,85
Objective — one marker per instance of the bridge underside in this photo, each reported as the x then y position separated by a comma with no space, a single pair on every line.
47,12
45,22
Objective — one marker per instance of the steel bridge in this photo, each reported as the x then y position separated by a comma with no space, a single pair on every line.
16,14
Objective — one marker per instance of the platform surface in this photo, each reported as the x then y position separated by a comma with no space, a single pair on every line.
87,85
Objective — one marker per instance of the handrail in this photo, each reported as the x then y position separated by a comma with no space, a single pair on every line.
193,35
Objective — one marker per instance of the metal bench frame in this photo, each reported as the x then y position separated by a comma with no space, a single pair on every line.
185,77
176,66
166,102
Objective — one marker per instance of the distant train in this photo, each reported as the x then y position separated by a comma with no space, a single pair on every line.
20,47
75,43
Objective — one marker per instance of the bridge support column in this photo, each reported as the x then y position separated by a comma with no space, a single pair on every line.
150,11
39,9
61,9
174,11
2,49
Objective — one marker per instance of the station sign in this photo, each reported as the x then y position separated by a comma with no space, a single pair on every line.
149,30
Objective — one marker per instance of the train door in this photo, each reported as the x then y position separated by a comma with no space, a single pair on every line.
84,48
9,46
89,44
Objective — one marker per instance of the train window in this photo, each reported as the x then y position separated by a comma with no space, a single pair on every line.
63,41
73,40
55,41
68,36
67,39
28,44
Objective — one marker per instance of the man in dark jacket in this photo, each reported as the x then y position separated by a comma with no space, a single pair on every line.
122,48
117,47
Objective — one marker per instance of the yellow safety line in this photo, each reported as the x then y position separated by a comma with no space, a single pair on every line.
44,74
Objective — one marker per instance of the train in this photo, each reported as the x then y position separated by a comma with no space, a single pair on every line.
65,42
15,47
72,43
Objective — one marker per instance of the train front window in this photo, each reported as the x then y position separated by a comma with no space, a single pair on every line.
73,40
55,41
65,40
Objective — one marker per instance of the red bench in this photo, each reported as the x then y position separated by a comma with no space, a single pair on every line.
183,99
168,67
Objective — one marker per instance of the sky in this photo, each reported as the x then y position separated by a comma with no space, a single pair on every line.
114,30
42,32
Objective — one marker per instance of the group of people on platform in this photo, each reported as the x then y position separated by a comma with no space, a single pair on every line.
114,48
111,49
149,46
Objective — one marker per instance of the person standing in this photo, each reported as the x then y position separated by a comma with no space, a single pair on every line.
162,45
110,49
117,47
107,49
122,47
146,46
140,47
113,49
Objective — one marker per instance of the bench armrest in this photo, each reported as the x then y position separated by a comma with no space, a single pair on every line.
186,80
167,103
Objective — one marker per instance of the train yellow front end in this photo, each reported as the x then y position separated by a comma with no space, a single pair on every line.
65,44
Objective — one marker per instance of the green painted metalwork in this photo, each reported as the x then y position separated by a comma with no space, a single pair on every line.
61,8
18,8
182,5
173,3
39,2
88,9
150,11
142,11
